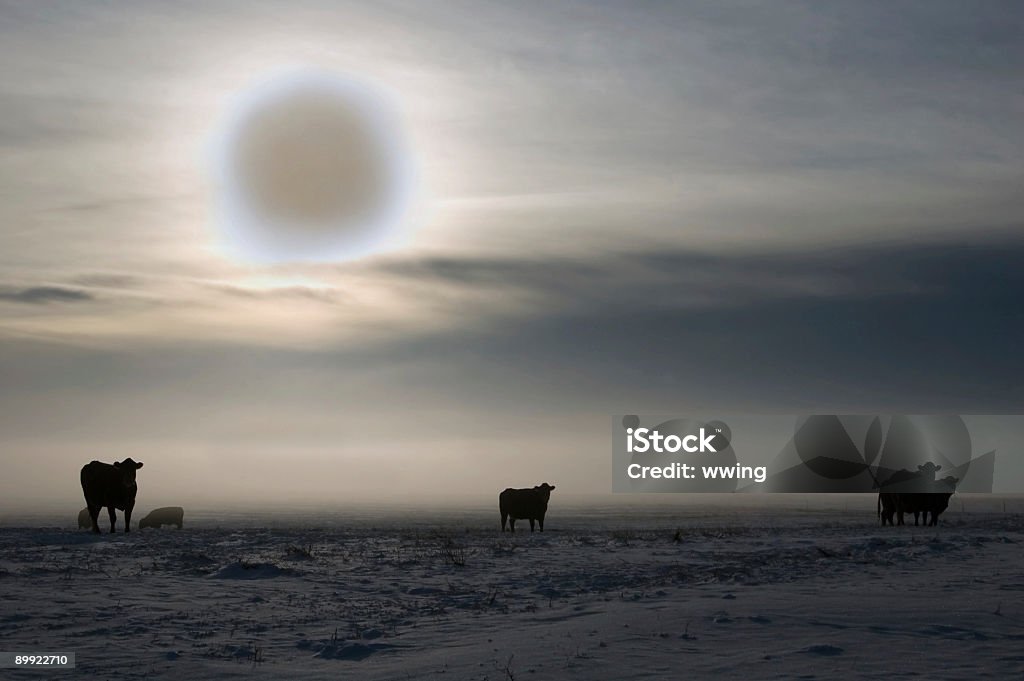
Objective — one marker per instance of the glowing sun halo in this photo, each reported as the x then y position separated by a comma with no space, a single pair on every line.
311,166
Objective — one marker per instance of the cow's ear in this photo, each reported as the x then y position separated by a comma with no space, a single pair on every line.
117,464
939,467
551,487
138,465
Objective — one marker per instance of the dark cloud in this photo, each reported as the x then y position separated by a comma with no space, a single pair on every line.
39,295
912,326
672,278
933,326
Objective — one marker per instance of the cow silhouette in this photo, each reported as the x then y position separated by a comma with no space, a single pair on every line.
524,504
168,515
113,486
918,493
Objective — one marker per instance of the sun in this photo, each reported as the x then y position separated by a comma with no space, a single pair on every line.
311,166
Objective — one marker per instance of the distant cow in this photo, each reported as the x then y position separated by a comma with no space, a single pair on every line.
930,503
113,486
83,518
168,515
524,504
887,508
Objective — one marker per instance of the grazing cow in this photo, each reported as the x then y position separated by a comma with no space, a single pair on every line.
113,486
529,504
168,515
83,518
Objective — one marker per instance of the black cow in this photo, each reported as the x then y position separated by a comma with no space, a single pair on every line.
168,515
889,502
83,518
113,486
530,504
934,504
933,501
887,507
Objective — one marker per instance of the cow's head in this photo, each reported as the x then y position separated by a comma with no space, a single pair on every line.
929,469
545,489
127,470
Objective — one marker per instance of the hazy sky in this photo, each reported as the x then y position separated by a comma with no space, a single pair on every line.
628,207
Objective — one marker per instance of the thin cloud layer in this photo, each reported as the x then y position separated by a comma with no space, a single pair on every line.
40,295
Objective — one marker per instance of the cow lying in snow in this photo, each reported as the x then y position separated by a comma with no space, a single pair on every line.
168,515
110,485
524,504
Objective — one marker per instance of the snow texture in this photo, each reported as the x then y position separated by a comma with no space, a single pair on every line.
607,594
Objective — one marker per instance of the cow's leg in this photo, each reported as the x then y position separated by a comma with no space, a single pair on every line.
540,521
128,518
916,514
113,518
94,515
504,518
531,524
899,517
512,524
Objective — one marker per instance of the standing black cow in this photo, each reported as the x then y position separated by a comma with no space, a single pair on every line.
530,504
887,507
113,486
929,497
889,503
932,504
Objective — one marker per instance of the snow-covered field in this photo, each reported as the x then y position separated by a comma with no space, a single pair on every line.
603,594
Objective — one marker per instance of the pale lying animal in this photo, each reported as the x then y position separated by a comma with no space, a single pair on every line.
168,515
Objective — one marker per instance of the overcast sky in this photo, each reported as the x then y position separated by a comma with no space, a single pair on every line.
627,207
